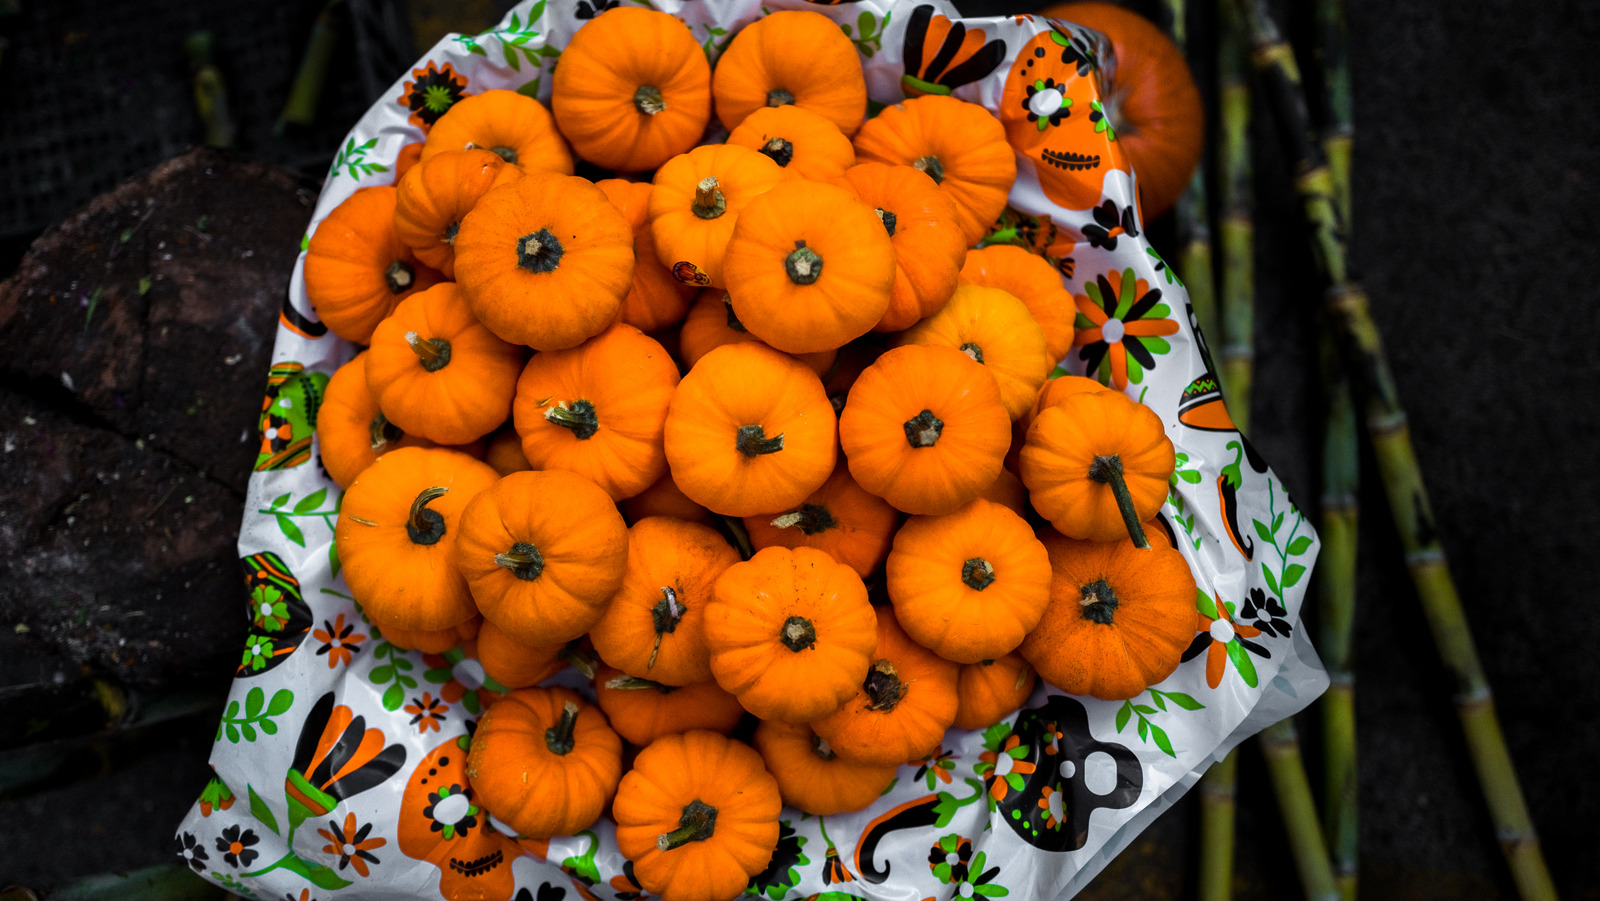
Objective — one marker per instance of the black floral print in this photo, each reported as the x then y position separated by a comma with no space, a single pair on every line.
193,853
235,846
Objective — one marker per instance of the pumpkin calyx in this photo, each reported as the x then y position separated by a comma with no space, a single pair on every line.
819,747
888,219
648,100
579,416
558,738
1099,602
539,252
383,433
450,232
973,351
399,277
810,518
752,441
924,429
708,200
930,166
1107,470
978,573
634,683
665,616
426,526
733,318
798,634
883,687
779,97
697,823
804,265
579,659
524,561
434,352
779,150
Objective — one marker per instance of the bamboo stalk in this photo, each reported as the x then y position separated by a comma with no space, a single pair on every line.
306,90
210,91
1281,748
1218,790
1236,356
1384,419
1193,213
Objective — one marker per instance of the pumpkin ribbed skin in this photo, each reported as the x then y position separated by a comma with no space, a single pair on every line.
400,581
1063,444
809,267
503,451
994,328
961,145
665,498
1008,491
542,552
351,431
970,584
811,777
849,523
712,323
1032,280
1060,388
991,690
671,774
515,127
409,156
632,90
762,66
545,260
642,711
434,196
725,424
654,626
963,436
430,641
929,246
695,203
357,269
805,144
1119,618
599,410
450,393
514,664
903,707
656,300
790,633
522,781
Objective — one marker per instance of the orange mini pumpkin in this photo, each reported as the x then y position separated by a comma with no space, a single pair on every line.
697,199
665,498
1031,279
791,57
958,144
433,641
437,372
809,267
811,777
357,269
409,156
351,431
513,664
922,225
805,144
656,300
905,703
654,626
516,127
398,525
632,90
991,690
698,816
923,429
1119,618
1009,492
544,761
712,323
853,525
750,431
642,711
599,409
790,633
503,451
995,329
545,260
542,553
435,195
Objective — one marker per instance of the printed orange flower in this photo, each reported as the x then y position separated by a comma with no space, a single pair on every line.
1222,639
339,641
1120,327
431,93
1002,765
351,844
427,711
1053,803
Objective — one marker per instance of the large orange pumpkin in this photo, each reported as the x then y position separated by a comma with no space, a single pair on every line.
791,56
357,269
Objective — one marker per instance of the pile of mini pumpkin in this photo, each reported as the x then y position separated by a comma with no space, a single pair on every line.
573,393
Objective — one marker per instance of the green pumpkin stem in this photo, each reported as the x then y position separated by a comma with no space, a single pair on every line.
509,154
930,166
578,659
383,433
579,416
539,252
752,441
733,318
803,264
648,100
558,738
888,219
434,352
883,687
779,97
1099,602
450,232
978,573
798,634
399,277
665,616
924,429
1107,470
810,519
426,526
973,351
819,747
626,682
708,200
779,150
697,823
524,561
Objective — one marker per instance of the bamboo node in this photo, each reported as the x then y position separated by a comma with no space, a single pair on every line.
1424,556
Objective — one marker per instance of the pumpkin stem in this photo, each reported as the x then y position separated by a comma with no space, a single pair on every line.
435,352
698,823
558,738
383,433
931,166
888,219
579,416
1099,602
539,252
779,150
399,277
804,265
1107,470
811,518
648,100
708,201
798,634
626,682
1022,678
978,573
819,747
733,318
524,561
923,429
884,689
973,351
426,526
779,97
450,232
752,441
575,656
665,616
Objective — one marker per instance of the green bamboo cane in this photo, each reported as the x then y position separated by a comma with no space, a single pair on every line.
306,90
1218,792
1384,419
1236,357
1281,748
1193,214
210,91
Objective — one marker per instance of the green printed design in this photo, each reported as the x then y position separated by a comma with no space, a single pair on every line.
257,712
1148,730
868,33
392,674
1292,545
308,507
352,158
